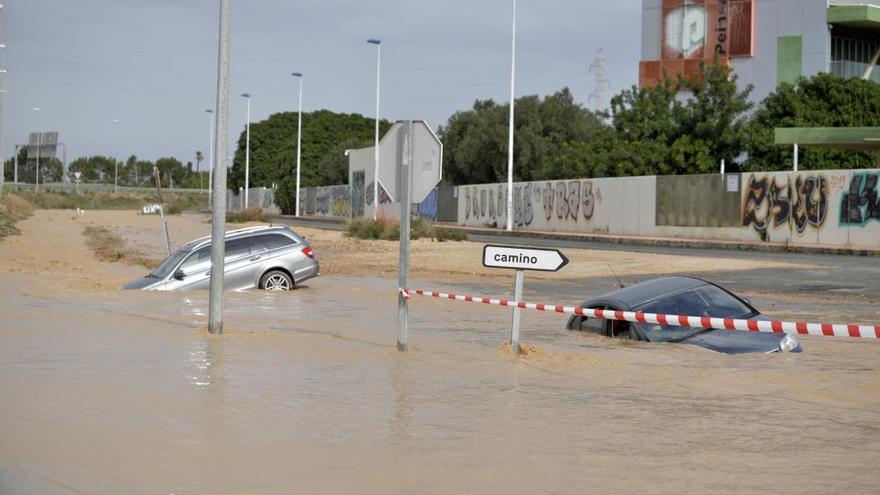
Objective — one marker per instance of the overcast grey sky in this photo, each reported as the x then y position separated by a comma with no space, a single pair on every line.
151,64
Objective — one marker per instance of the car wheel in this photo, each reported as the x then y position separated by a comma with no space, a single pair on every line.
276,280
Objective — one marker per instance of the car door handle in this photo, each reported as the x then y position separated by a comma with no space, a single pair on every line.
255,257
208,273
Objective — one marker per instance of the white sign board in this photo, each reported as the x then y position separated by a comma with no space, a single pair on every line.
427,160
522,258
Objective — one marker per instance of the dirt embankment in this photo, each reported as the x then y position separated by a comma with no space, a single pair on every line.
53,242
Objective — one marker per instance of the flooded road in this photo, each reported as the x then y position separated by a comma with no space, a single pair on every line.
123,392
108,392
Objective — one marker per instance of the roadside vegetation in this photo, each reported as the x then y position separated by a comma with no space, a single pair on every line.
12,209
247,215
389,230
110,247
174,203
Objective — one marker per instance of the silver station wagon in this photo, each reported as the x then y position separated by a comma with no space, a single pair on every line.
270,258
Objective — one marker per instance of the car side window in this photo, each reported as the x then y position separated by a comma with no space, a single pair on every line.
257,244
236,248
276,241
200,256
592,325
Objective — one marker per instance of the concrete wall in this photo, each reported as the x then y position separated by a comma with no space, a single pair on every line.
835,208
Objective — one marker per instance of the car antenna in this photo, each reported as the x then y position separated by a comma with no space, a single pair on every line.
615,275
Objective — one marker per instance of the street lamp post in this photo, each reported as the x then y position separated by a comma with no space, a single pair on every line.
510,126
378,44
299,124
247,150
115,169
39,145
210,156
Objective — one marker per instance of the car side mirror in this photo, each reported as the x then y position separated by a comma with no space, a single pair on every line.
179,275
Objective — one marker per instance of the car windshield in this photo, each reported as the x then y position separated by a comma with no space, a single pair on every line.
705,300
164,269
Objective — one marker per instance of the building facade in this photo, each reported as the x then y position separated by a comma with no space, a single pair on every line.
766,42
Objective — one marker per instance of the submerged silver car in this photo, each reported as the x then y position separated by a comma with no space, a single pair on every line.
270,258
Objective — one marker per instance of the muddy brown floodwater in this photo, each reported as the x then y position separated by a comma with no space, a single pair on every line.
105,391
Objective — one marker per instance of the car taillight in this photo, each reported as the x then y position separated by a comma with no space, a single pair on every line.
308,252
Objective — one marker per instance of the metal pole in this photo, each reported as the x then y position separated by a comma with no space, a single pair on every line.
15,165
2,147
795,157
247,154
37,177
514,328
116,176
378,44
510,127
722,166
210,157
162,210
404,178
218,223
299,140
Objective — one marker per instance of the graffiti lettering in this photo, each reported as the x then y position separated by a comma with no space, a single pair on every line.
569,197
799,205
333,201
861,203
383,196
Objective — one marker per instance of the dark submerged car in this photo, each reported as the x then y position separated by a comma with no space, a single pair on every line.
680,295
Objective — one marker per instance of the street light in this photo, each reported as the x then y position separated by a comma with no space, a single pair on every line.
247,149
299,124
115,169
510,126
39,145
210,155
378,44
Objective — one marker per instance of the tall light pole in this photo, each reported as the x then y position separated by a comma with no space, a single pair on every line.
218,214
510,126
378,44
299,125
210,155
2,105
247,149
115,169
39,145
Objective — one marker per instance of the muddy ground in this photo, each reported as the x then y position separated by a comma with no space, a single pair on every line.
108,391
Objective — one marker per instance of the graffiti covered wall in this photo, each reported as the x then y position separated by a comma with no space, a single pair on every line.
834,207
838,208
564,205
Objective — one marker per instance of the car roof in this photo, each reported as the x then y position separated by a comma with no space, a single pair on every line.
234,234
635,295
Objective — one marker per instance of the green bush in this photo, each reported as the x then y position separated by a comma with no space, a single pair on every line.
247,215
12,209
444,234
390,230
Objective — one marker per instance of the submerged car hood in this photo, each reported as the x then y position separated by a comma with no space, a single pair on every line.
738,341
142,283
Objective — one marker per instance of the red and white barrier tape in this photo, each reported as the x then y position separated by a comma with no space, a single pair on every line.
835,330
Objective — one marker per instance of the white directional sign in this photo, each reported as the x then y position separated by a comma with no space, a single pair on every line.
522,258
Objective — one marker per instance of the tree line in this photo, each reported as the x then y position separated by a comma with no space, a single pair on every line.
681,126
99,169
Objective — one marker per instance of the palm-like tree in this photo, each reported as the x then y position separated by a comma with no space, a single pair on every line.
199,158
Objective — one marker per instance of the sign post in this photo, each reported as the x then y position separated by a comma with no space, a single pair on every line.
402,310
521,259
418,170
